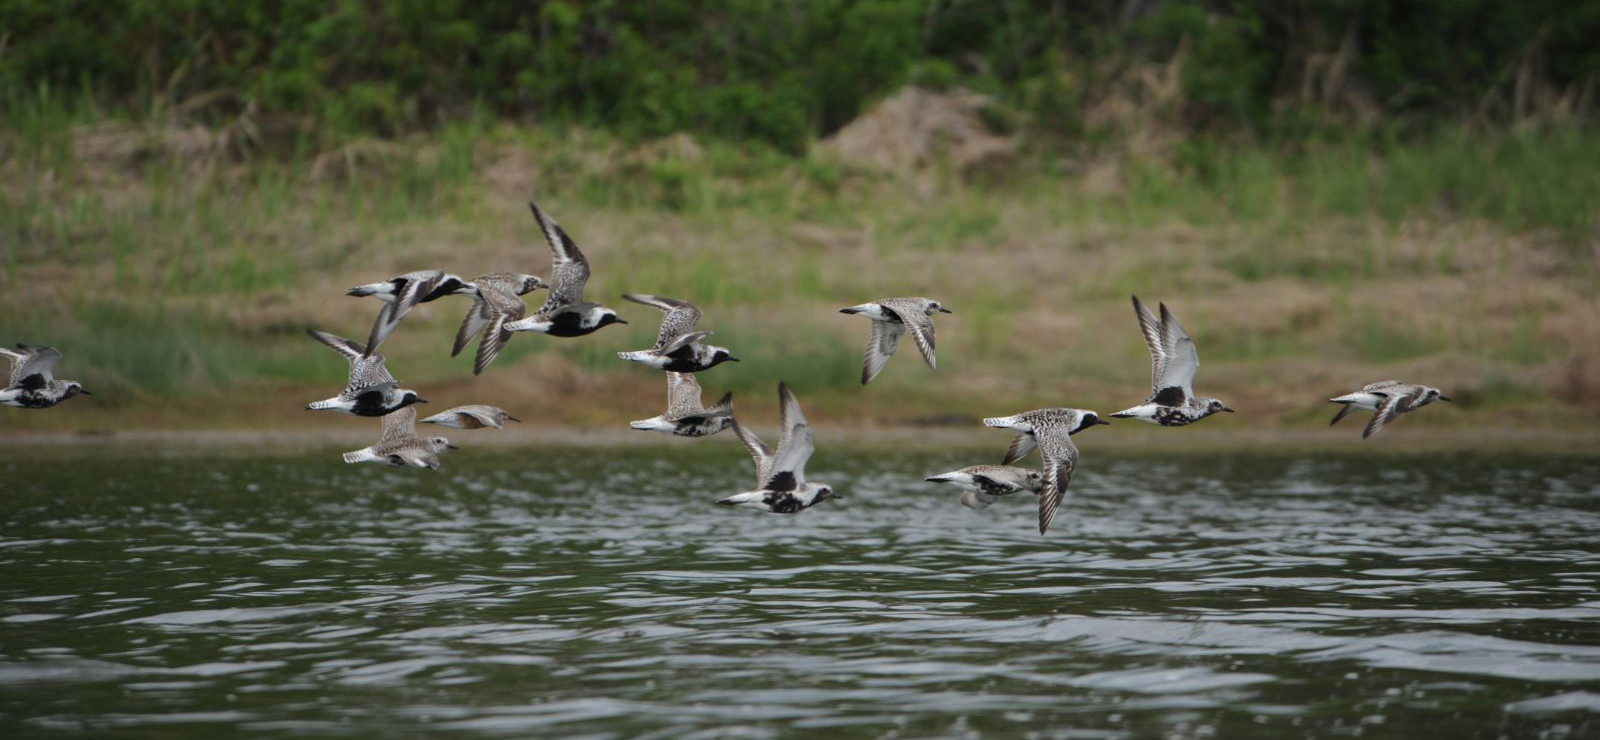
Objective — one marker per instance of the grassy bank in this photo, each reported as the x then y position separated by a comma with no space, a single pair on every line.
178,271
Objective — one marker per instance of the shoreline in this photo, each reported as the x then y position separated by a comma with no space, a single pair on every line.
1151,441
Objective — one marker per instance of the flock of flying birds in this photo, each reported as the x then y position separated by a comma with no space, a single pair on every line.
498,312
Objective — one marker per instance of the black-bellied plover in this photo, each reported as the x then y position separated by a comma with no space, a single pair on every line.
685,416
678,349
984,484
1051,431
781,475
371,391
474,416
33,385
1388,399
1173,362
890,319
402,293
479,315
564,313
400,446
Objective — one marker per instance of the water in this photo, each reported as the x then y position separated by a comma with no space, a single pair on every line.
598,594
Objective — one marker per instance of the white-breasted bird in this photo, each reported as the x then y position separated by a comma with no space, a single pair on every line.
781,474
1051,431
33,385
685,416
678,348
402,293
1173,362
1387,399
473,416
371,390
982,485
400,445
891,317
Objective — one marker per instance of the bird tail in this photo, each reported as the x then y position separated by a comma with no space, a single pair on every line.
941,478
326,403
748,498
1000,422
370,289
362,455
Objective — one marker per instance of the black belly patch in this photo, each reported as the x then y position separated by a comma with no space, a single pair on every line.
783,503
569,324
1169,396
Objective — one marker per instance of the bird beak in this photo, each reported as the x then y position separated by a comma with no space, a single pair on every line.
1227,409
422,400
449,446
87,393
945,310
513,418
735,359
1101,421
1442,396
620,321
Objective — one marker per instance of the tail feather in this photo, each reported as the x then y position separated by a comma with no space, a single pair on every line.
941,478
361,455
326,403
744,499
999,422
366,290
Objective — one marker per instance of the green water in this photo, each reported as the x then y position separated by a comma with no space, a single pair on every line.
599,594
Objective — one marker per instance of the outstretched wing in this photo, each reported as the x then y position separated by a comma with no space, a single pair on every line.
759,451
1150,327
351,350
1385,414
680,317
1060,460
681,341
1021,445
921,326
881,345
795,446
27,360
683,395
398,425
503,308
569,269
477,317
1181,358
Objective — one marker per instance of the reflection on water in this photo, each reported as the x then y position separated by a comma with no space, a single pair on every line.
599,594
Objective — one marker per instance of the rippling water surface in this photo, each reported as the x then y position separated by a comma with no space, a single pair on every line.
598,593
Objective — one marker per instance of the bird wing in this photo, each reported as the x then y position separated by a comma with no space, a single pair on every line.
683,395
1385,414
503,308
29,359
759,451
795,445
417,286
1151,329
1060,460
569,269
1021,445
1181,360
680,317
921,326
351,350
398,425
477,317
997,482
1382,385
681,341
881,345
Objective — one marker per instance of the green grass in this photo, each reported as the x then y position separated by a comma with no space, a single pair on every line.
220,264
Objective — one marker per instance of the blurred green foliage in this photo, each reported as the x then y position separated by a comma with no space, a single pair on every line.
786,71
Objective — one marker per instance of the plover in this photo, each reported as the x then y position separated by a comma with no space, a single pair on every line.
475,416
677,349
401,294
33,385
781,475
1051,431
984,484
371,391
1173,362
1388,398
479,315
890,318
494,311
685,416
565,313
400,446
